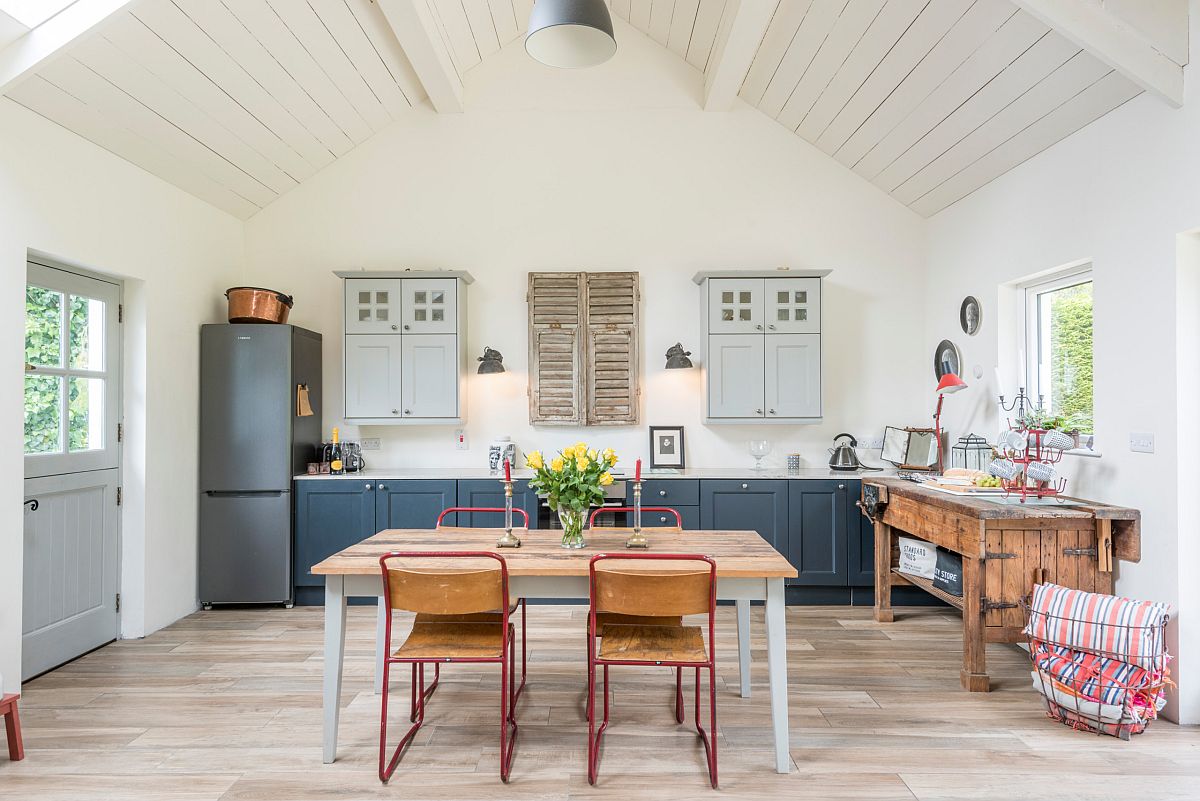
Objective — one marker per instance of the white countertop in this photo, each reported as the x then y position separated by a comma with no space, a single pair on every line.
743,473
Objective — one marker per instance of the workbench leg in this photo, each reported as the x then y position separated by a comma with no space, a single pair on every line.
743,626
974,676
883,572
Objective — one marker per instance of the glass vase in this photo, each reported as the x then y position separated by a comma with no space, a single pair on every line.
572,527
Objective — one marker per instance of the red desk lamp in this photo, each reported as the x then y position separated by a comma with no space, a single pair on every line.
949,384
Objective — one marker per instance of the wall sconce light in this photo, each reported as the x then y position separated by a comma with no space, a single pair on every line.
677,357
492,361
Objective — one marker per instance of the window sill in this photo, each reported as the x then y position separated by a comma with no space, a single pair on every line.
1087,453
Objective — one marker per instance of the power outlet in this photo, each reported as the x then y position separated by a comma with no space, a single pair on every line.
1141,443
872,444
370,444
460,440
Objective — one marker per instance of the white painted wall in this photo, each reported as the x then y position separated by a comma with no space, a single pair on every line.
63,196
613,168
1118,193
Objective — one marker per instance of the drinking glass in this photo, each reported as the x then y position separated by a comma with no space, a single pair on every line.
758,449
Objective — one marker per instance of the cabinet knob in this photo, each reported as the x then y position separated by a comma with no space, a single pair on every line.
662,519
758,328
408,411
772,411
758,411
841,486
395,411
662,493
745,486
406,326
383,486
393,328
771,327
366,486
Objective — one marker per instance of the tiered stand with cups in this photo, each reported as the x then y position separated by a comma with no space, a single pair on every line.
1041,447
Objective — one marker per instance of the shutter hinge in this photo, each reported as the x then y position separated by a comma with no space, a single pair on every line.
989,605
120,432
1079,551
119,496
118,602
991,555
120,312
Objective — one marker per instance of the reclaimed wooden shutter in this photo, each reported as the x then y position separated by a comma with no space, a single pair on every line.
611,358
556,310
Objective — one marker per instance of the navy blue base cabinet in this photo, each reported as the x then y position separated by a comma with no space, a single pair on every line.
330,516
817,532
490,492
749,505
413,503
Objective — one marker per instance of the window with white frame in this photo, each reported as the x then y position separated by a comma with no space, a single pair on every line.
1058,348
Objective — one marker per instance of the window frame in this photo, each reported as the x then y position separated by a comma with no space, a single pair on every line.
1031,333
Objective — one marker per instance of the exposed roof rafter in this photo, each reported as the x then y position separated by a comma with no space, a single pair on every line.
744,26
417,31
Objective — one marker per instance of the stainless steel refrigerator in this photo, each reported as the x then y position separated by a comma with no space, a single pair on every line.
252,441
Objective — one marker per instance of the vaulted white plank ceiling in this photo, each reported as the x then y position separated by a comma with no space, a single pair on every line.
237,101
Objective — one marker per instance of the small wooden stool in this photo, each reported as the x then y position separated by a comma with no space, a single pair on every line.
12,725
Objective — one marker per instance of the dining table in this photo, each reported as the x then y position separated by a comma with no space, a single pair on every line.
749,569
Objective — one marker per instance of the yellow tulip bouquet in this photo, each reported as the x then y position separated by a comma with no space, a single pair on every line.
572,483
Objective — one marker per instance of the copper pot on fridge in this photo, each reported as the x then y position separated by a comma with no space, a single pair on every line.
251,304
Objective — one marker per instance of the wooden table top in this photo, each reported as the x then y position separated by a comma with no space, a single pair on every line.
985,509
738,554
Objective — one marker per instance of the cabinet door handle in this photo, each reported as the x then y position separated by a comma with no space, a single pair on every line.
758,328
406,326
662,493
395,411
758,411
393,328
771,327
408,411
366,486
745,486
383,487
772,411
662,519
841,486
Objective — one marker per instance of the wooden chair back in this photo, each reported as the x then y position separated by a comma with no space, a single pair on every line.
637,590
441,589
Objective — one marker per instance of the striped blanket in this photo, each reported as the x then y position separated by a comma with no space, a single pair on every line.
1120,628
1094,677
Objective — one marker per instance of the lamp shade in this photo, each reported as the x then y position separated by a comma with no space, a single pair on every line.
677,357
490,362
950,384
570,33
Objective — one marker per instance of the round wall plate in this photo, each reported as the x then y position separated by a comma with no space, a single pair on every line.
947,359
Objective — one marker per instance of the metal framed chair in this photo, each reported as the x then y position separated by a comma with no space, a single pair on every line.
674,591
485,617
448,591
610,618
12,726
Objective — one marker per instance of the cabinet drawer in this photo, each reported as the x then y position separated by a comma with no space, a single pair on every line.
690,515
668,492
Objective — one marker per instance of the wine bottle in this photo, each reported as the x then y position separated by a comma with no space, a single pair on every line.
335,456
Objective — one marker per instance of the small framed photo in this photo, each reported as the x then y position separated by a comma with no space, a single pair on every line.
666,447
970,315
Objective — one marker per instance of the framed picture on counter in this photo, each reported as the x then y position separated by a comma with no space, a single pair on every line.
666,447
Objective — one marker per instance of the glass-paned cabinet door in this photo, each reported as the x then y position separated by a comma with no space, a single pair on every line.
735,305
430,306
72,378
793,305
372,305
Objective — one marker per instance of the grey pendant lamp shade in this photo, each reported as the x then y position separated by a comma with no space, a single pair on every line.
570,33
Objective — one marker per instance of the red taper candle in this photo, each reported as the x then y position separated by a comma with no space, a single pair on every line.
507,470
637,471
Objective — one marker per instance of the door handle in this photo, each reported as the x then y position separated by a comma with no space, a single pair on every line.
771,327
408,411
662,493
383,487
406,326
758,411
32,503
745,486
366,486
758,328
394,328
395,411
772,411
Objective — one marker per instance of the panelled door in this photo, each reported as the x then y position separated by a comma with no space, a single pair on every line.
793,375
429,382
793,305
373,382
429,306
735,305
372,305
735,376
72,410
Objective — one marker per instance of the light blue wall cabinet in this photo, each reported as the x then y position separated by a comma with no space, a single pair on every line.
405,347
761,345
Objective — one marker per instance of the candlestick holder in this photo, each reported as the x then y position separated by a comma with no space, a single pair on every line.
637,539
508,539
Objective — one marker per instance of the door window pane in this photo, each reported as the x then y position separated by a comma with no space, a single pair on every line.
439,297
43,327
744,314
381,297
381,313
743,297
438,315
727,297
781,297
86,333
782,314
727,315
419,297
364,298
43,401
85,409
419,315
802,297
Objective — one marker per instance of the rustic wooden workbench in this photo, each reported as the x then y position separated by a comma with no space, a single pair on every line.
1006,549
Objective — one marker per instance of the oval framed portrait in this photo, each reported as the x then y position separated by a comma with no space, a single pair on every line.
970,315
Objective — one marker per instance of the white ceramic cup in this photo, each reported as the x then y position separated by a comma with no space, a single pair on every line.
1004,468
1040,471
1057,440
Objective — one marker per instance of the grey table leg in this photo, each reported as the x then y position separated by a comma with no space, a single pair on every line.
335,650
777,667
743,628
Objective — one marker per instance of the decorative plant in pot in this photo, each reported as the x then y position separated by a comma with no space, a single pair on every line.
572,483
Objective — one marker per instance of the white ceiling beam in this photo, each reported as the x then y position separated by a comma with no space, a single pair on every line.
48,40
416,29
744,26
1114,42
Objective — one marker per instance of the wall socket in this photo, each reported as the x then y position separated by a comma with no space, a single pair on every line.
1141,443
460,440
872,443
370,444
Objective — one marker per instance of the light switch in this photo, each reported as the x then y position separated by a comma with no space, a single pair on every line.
371,444
460,439
1141,443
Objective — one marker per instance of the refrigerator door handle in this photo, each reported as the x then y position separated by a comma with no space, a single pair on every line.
245,494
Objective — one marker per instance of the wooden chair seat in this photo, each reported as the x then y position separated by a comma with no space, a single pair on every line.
653,644
434,641
616,619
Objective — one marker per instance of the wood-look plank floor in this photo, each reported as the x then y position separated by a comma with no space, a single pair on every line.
227,705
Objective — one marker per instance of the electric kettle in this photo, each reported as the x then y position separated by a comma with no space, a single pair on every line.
843,457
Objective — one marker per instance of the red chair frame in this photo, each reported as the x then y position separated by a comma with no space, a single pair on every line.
508,699
456,509
595,736
12,725
604,509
